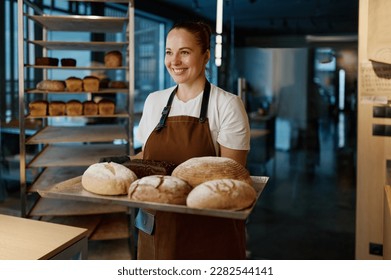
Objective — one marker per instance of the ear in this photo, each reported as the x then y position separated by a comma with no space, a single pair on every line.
207,56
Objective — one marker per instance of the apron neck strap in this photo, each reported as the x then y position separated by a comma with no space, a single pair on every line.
205,101
167,108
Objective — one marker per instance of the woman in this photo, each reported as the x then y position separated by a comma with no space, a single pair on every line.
192,119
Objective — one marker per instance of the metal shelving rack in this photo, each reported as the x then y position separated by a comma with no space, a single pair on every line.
64,152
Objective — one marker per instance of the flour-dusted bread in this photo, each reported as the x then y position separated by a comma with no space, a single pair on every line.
159,188
107,178
228,194
198,170
51,85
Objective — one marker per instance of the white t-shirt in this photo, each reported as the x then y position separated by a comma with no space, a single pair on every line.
228,121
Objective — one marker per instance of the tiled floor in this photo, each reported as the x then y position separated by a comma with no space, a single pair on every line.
307,211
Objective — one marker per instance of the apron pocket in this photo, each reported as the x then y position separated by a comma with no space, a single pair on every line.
145,221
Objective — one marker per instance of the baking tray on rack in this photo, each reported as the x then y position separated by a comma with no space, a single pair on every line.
72,189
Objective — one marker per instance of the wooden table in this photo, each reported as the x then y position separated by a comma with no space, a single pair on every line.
27,239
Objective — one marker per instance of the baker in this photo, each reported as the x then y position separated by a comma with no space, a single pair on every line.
192,119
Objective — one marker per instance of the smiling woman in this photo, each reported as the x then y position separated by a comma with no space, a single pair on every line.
192,119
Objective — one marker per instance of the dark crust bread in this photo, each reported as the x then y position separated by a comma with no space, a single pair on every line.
68,62
145,167
48,61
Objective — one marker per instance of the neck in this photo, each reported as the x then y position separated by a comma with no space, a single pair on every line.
187,91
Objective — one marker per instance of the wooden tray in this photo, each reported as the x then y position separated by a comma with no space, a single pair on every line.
73,190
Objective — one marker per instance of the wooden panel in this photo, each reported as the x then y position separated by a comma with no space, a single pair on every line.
387,224
373,152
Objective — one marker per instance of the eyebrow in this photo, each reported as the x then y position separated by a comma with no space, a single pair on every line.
181,49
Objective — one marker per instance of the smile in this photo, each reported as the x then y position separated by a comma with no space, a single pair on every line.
178,71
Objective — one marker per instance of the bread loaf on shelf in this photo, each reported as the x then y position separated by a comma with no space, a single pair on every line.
228,194
107,178
51,85
57,108
106,107
46,61
117,84
159,188
90,108
38,108
91,84
68,62
146,167
198,170
74,84
74,108
113,59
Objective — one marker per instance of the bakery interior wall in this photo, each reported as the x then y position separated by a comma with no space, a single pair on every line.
278,70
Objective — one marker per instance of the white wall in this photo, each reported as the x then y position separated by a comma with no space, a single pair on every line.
279,75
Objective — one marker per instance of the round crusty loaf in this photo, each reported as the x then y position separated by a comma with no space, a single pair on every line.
198,170
226,194
107,178
160,188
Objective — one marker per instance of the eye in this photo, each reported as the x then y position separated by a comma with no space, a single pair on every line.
185,52
168,52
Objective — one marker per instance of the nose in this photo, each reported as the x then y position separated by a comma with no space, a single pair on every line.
175,59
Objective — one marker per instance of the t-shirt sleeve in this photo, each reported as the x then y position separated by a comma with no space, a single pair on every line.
235,129
144,129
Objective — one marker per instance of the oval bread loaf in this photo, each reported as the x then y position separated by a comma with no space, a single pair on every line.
107,178
198,170
226,194
160,188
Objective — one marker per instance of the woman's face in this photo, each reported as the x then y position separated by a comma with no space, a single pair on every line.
184,59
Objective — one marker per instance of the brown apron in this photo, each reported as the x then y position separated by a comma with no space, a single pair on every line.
183,236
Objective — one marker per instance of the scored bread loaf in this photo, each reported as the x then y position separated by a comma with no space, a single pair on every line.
57,108
226,194
38,108
159,188
74,108
51,85
197,170
147,167
107,178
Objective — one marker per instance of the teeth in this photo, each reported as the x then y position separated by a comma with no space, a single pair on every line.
178,71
